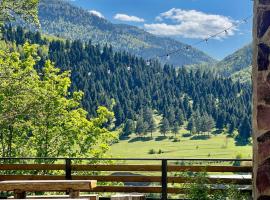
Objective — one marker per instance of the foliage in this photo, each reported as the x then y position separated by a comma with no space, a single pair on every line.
108,77
128,127
40,117
200,189
164,126
12,10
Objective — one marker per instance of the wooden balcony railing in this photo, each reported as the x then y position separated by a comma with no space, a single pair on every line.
160,177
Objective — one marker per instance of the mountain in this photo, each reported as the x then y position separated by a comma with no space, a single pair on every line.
235,63
129,86
63,19
236,66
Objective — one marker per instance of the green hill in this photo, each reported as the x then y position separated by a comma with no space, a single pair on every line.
238,61
65,20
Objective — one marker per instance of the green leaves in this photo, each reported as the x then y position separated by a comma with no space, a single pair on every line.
39,116
26,10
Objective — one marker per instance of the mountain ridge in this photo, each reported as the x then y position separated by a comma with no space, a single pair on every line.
63,19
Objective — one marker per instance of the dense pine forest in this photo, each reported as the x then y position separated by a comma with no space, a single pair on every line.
135,88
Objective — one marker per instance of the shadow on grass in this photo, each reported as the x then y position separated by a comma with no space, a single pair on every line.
160,138
140,139
200,137
187,135
217,132
123,137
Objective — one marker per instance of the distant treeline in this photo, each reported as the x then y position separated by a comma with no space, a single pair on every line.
132,85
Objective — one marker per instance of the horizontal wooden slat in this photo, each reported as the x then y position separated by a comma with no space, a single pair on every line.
150,179
32,167
47,185
116,167
148,189
171,168
174,168
31,177
128,189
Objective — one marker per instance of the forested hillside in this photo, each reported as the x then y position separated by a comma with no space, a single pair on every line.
134,86
62,19
239,61
236,66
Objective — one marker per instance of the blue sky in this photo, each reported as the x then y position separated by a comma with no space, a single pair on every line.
185,20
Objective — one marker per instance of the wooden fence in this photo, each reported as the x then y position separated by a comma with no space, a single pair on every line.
162,175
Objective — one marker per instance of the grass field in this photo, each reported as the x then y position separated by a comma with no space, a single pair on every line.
218,146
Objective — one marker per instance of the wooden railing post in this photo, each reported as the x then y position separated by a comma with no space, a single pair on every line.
68,169
164,180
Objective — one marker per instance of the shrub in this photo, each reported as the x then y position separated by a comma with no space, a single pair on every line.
151,151
160,151
200,189
187,135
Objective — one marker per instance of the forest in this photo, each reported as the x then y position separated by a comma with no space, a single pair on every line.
134,88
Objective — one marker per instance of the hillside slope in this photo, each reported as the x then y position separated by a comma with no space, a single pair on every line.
63,19
238,61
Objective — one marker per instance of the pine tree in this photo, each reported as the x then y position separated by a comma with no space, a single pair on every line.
191,124
244,131
128,127
175,128
165,126
152,126
140,129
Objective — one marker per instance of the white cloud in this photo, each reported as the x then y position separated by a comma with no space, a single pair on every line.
94,12
190,24
128,18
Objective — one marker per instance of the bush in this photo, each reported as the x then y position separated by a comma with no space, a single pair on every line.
160,151
151,151
187,135
200,189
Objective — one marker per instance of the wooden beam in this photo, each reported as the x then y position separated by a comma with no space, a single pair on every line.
171,168
150,179
32,167
55,185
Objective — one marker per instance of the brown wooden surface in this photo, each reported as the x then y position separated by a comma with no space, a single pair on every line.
241,181
131,189
47,185
171,168
32,167
36,197
56,199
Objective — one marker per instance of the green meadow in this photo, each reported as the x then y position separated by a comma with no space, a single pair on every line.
217,146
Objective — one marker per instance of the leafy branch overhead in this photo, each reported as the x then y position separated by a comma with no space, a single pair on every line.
40,117
12,10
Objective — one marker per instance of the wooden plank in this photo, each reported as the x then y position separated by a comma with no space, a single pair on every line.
32,167
128,189
150,179
171,168
174,168
31,177
55,185
116,168
54,199
128,197
88,197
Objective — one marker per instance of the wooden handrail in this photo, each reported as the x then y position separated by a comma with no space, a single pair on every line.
130,168
130,178
69,168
